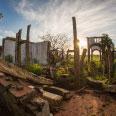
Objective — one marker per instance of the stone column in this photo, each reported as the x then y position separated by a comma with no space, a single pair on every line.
88,50
92,54
27,46
76,51
3,42
100,56
18,47
83,57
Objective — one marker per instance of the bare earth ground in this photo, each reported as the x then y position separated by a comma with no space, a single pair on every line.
89,103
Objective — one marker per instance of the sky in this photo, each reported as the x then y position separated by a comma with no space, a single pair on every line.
94,17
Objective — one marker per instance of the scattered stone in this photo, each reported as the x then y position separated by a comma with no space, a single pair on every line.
60,91
96,84
2,74
53,99
38,101
8,79
110,88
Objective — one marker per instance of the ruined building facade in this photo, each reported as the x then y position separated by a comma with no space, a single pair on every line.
24,52
38,52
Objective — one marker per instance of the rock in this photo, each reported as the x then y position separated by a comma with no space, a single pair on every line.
110,88
57,90
95,83
43,107
20,73
2,74
53,99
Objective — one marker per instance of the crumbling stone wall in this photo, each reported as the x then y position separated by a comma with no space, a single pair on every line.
23,54
9,48
38,51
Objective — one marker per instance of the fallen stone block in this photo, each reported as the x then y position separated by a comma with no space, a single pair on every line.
57,90
52,98
42,107
110,88
95,83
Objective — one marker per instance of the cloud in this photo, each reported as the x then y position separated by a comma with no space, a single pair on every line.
6,33
94,17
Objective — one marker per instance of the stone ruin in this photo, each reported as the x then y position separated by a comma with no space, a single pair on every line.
93,44
25,94
24,51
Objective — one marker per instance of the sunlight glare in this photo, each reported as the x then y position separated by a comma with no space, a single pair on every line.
82,43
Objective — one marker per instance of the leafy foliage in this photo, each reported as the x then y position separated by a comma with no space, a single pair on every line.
35,68
107,48
100,77
60,71
9,58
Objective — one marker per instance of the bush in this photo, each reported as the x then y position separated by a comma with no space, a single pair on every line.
92,69
35,68
9,58
60,71
100,77
95,68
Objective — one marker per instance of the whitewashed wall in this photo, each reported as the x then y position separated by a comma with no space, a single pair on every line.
38,51
33,52
42,50
9,49
23,54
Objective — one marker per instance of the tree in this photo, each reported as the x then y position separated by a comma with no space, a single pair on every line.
59,44
59,41
107,48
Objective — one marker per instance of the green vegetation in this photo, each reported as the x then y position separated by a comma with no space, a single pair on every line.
60,71
9,58
35,68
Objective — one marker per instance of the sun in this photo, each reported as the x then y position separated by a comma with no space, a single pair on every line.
82,43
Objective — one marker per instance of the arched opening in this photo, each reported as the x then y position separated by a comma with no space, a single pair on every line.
96,55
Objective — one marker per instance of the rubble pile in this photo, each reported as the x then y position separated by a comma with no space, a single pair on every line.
25,94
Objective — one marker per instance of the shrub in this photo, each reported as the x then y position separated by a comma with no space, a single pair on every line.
95,68
9,58
92,69
100,77
35,68
60,71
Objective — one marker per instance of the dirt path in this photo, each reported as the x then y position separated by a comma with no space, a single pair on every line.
89,103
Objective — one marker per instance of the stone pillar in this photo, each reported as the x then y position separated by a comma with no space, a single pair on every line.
88,50
48,52
27,46
83,57
100,56
92,54
3,42
76,51
18,47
